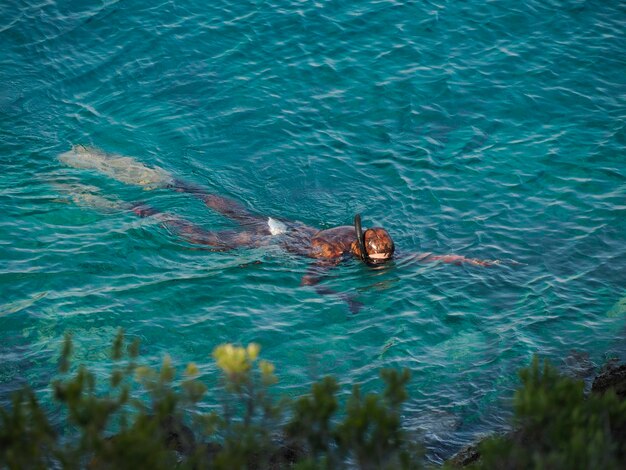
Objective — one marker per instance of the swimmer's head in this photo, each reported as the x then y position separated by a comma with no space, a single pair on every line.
374,246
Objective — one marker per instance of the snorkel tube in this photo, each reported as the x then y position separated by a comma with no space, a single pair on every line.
361,240
379,240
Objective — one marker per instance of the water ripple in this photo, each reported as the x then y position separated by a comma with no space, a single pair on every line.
491,130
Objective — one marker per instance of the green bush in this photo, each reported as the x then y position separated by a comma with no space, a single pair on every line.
557,427
112,429
106,426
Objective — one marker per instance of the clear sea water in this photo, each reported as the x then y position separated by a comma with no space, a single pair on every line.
488,129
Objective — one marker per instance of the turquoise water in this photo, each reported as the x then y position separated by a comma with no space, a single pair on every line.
488,129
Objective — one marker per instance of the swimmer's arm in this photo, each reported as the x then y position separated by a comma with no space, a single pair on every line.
458,260
314,275
316,272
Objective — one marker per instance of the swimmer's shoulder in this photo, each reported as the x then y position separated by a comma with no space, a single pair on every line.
333,242
342,232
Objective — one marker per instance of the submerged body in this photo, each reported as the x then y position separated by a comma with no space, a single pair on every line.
327,247
330,245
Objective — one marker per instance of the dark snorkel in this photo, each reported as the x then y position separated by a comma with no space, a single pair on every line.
361,240
364,255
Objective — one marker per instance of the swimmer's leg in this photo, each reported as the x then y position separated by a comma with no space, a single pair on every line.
218,241
89,196
225,206
130,171
121,168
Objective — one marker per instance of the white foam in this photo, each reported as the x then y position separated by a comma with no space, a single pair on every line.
276,226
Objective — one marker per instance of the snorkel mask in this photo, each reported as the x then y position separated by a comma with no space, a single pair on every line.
377,258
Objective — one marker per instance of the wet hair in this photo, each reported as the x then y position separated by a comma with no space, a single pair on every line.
378,241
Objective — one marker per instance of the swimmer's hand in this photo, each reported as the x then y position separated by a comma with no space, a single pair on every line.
354,305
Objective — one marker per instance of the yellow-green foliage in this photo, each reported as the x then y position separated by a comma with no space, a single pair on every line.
556,426
114,429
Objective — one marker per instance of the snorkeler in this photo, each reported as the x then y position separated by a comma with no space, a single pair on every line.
329,247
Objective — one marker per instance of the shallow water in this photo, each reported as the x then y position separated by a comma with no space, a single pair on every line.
493,130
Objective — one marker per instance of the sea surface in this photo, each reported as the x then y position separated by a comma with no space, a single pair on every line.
493,130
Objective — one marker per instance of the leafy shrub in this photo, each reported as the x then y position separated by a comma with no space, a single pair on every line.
558,427
112,429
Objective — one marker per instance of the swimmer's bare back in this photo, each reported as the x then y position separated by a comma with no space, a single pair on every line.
330,244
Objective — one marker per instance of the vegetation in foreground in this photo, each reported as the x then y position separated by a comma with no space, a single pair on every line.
106,426
111,428
557,426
